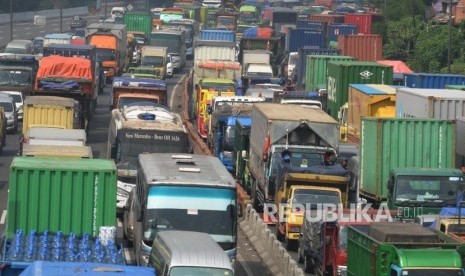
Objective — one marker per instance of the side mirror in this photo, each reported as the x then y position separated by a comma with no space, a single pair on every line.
390,184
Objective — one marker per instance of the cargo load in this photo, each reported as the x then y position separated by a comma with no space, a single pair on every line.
57,151
361,47
299,72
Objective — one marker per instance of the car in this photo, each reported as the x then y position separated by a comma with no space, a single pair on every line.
8,104
19,101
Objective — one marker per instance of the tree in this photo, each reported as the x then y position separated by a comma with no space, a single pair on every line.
401,36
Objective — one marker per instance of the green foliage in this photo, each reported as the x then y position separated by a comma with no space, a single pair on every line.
401,36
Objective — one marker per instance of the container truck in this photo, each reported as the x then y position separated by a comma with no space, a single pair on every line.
307,133
342,73
138,21
460,147
361,47
273,44
111,42
176,43
218,35
299,37
150,87
241,152
316,70
446,104
307,186
299,72
138,129
334,30
156,57
214,50
69,77
255,57
227,21
407,163
184,192
402,249
435,81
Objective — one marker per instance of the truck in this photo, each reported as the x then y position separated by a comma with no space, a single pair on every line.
273,44
328,239
277,129
152,87
241,153
214,50
402,249
226,21
184,192
69,77
17,78
314,99
138,21
111,42
86,51
408,164
191,28
255,57
57,39
176,43
225,112
50,136
156,57
137,129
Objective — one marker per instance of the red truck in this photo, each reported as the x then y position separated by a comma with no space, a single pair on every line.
70,77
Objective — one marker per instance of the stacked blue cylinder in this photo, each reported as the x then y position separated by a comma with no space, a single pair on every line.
60,248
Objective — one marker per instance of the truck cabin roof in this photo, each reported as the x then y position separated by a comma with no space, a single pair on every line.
394,232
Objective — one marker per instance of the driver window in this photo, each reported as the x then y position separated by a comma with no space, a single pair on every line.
394,272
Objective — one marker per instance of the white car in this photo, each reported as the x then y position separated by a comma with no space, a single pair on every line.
19,101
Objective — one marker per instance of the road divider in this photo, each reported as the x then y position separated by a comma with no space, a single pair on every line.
271,251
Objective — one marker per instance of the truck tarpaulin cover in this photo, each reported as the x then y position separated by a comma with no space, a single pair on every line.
64,67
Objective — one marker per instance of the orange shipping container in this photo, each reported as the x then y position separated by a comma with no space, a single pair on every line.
361,47
362,20
369,100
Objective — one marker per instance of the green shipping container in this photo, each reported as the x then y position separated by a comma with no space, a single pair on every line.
138,22
390,143
71,195
455,87
315,73
343,73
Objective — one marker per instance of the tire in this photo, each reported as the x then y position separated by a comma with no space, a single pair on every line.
279,236
290,244
255,202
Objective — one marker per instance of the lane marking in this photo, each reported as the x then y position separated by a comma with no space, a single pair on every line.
244,264
2,219
174,90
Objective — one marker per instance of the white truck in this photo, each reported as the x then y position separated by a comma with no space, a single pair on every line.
256,63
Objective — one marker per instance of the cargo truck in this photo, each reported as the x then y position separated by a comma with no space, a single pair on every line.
57,39
214,50
111,43
315,99
273,44
175,41
138,129
155,57
402,249
408,164
316,70
309,185
17,78
69,77
460,147
226,21
191,28
432,81
225,112
277,130
138,21
151,87
255,57
20,60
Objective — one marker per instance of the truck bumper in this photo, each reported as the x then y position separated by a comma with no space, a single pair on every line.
293,236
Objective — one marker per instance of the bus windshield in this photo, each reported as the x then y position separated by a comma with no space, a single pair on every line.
192,208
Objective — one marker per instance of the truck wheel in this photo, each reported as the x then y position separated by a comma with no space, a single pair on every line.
290,244
279,236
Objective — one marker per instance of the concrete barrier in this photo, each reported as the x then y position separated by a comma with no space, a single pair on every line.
270,250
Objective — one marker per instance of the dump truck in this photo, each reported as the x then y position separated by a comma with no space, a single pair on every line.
224,114
304,133
402,249
111,42
308,186
150,87
70,77
138,129
400,167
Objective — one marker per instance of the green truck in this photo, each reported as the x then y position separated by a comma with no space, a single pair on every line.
408,163
395,249
138,22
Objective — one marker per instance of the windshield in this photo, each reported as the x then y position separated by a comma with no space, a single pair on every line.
8,107
167,17
153,61
15,77
427,188
127,102
259,74
298,160
199,271
189,208
454,228
228,143
12,50
315,197
105,55
293,59
223,87
16,98
430,272
172,41
226,21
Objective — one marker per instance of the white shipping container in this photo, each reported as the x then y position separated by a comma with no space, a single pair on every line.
215,53
445,104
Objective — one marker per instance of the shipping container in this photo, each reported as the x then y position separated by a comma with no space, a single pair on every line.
361,47
282,15
326,3
318,25
50,111
41,268
55,136
214,50
460,145
298,38
457,87
218,35
57,151
362,20
328,18
390,143
138,22
343,73
315,72
61,194
445,104
299,70
437,81
369,100
335,30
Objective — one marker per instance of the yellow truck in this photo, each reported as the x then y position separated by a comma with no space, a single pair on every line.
304,189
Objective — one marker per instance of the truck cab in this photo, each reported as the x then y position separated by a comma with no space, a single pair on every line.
139,85
226,21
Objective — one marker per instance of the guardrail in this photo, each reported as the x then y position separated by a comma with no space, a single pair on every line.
54,13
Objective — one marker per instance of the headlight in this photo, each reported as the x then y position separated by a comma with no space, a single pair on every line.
341,270
294,229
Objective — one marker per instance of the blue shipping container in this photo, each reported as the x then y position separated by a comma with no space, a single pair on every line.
41,268
218,35
341,29
302,61
434,81
299,38
303,24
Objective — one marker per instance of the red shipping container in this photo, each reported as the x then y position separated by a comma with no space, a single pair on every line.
264,32
362,20
267,14
361,47
325,3
328,18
